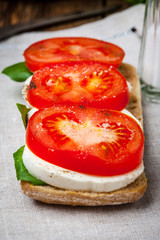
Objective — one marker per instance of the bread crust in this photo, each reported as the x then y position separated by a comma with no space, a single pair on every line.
130,193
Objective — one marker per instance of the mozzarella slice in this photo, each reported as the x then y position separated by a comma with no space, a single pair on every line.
25,89
66,179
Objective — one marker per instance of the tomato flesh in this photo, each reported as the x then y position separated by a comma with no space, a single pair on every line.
90,84
54,50
86,140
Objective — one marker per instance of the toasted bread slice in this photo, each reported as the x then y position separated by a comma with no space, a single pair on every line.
130,193
52,195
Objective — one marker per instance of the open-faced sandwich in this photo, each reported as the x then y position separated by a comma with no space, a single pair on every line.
82,147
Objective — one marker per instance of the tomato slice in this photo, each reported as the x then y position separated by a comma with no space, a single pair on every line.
91,84
54,50
86,140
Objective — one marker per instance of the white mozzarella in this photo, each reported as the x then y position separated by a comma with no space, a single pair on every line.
129,86
25,89
66,179
125,111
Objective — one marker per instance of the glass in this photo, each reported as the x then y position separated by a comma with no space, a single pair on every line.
149,60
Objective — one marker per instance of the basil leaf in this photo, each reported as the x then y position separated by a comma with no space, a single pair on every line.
21,171
23,110
17,72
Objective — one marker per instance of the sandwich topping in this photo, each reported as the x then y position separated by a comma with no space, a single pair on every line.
90,84
67,179
49,51
101,143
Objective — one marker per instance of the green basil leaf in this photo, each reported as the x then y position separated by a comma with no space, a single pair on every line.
17,72
21,171
23,110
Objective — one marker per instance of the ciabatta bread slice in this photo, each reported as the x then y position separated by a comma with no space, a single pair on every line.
131,193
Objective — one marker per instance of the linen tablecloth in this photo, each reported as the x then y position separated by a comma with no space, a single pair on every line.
24,218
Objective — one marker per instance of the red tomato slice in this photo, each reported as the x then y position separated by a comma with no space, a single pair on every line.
86,140
90,84
54,50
